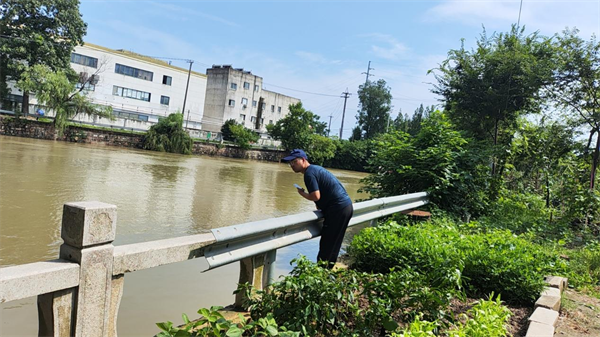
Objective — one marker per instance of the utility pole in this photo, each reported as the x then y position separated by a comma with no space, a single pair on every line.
346,94
187,85
329,128
368,70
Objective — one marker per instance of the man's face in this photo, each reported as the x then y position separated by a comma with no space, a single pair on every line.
296,164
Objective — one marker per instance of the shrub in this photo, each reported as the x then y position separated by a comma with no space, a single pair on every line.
168,136
481,263
321,302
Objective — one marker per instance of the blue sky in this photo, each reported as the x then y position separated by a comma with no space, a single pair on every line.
314,50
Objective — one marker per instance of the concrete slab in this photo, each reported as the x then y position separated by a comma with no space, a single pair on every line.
539,330
548,302
544,316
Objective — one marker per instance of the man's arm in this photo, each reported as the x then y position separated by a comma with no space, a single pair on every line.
312,196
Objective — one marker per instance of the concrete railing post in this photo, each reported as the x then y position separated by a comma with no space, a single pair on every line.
254,270
88,230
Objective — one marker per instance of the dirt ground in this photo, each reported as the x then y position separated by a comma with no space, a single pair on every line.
579,315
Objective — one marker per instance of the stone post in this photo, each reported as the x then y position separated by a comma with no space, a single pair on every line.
254,270
88,230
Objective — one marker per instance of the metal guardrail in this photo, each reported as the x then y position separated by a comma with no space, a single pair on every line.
237,242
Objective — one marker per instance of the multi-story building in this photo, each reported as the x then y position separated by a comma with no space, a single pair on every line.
232,93
140,89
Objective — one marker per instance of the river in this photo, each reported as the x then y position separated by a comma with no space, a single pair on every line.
158,196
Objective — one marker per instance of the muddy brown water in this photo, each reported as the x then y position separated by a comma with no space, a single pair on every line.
158,196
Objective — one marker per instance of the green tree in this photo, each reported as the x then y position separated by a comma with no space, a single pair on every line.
577,88
37,32
487,89
375,105
226,129
54,90
295,130
242,136
168,135
438,160
356,134
321,148
412,125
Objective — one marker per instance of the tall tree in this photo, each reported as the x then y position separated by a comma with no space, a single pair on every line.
375,105
36,32
486,89
296,129
577,87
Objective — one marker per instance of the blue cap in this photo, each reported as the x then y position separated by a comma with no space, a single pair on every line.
296,153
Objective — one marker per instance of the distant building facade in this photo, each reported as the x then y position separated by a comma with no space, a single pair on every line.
233,93
142,89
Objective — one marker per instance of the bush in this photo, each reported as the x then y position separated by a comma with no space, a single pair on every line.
168,135
480,263
321,302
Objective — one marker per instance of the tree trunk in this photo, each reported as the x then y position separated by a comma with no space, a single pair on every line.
25,104
595,158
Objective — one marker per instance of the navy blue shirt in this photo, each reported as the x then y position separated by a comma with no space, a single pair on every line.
333,194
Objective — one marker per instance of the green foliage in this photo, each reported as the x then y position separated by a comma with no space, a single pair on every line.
40,32
168,135
296,130
322,302
321,149
212,323
487,318
375,106
350,155
480,263
584,266
412,125
54,90
226,131
243,136
437,160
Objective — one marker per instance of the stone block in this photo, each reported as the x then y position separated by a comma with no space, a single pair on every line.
88,223
539,330
55,313
544,316
557,282
548,302
548,291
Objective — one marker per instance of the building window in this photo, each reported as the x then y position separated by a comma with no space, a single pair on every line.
243,117
164,100
246,85
131,93
262,121
84,60
279,109
87,87
167,79
254,103
233,86
270,121
272,108
244,102
263,106
134,72
252,119
231,102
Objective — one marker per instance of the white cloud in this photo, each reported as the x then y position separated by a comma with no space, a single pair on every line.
195,13
315,58
392,48
548,17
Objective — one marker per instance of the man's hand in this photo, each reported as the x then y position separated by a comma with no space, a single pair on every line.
312,196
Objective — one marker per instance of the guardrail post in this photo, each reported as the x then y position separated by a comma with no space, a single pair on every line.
254,270
88,230
55,313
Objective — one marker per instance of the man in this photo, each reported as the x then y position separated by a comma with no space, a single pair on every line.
331,198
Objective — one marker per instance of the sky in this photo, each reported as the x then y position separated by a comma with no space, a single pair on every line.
316,50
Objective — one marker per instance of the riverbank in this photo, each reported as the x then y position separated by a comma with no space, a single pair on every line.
29,128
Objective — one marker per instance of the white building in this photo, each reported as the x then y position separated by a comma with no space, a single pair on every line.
140,89
232,93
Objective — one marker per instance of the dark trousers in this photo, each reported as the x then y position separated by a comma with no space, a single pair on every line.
332,234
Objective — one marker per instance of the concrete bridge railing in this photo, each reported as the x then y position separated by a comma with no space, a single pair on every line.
79,293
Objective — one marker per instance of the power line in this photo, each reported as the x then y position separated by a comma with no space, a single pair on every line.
306,92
